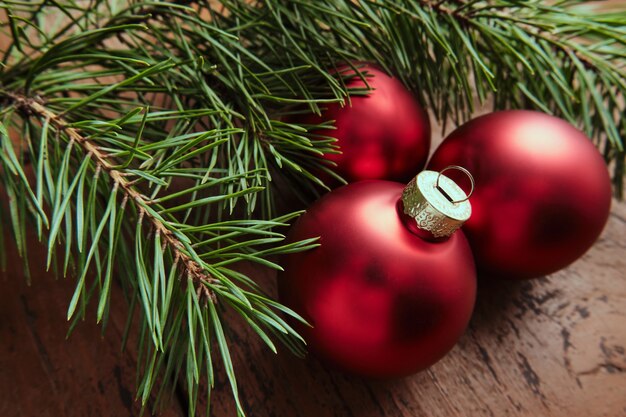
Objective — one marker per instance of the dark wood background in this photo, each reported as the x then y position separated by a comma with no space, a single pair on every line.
554,346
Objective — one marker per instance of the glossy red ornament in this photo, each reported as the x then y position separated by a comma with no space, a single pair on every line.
383,302
543,191
382,135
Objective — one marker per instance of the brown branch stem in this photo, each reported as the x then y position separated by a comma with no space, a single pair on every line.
103,163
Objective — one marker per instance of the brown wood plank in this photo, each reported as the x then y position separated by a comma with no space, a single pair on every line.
42,373
550,347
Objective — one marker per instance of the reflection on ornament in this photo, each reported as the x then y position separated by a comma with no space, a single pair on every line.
382,135
543,191
385,298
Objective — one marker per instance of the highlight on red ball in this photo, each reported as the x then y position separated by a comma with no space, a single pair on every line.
382,131
543,191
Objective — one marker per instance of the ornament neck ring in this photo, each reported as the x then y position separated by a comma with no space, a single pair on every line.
463,170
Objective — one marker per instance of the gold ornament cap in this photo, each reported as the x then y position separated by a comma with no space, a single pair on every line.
436,203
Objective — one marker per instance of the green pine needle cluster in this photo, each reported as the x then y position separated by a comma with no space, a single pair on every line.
144,139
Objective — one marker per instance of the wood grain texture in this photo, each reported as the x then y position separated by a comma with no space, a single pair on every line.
43,374
549,347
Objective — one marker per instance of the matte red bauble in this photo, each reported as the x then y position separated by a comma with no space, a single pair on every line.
543,191
384,297
382,135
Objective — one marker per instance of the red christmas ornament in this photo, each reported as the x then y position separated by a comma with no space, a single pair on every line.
543,191
382,135
386,298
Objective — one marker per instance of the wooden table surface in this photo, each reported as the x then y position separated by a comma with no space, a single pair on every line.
555,346
549,347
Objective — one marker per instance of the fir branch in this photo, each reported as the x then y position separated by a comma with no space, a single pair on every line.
562,58
195,272
95,119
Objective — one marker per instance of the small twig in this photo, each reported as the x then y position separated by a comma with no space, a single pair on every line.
103,163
